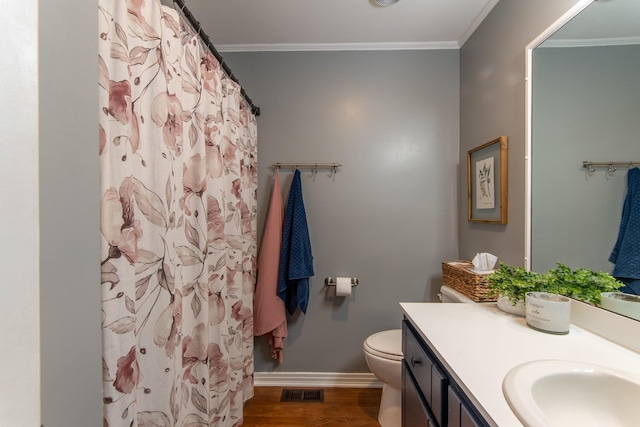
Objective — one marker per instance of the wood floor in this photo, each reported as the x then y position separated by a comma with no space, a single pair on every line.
352,407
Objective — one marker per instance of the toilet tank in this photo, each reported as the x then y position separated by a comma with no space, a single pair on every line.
448,294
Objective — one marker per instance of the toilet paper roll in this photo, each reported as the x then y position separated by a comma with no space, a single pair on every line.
343,286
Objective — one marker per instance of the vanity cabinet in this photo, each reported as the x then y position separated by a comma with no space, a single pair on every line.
430,396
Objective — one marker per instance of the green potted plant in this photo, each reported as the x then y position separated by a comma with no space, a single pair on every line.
510,285
582,284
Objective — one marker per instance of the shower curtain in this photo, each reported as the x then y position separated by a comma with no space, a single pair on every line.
178,222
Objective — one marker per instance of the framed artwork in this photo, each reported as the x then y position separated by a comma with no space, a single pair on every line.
487,182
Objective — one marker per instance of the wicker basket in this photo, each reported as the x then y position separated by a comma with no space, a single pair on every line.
458,275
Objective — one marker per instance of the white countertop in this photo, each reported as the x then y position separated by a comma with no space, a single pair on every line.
479,344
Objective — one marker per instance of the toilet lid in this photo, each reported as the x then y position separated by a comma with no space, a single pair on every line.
387,344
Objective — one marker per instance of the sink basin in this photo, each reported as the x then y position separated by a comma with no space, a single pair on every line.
565,393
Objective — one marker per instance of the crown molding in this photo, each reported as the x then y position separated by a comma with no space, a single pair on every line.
612,41
309,47
477,21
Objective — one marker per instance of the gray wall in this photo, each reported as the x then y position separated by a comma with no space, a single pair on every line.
19,329
389,216
585,108
492,103
69,215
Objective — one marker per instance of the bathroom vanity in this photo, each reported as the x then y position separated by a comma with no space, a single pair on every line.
457,355
430,395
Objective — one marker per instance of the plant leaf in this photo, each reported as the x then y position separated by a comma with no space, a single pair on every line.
196,305
150,204
123,325
145,260
129,304
141,286
192,234
138,55
194,420
119,52
122,35
187,256
153,419
193,135
198,400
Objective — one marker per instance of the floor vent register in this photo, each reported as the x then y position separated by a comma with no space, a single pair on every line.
302,395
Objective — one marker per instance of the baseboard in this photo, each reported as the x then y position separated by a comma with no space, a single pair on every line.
316,379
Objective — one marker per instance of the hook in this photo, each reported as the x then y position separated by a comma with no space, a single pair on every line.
611,169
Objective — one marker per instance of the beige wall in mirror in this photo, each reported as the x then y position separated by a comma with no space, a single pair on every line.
584,103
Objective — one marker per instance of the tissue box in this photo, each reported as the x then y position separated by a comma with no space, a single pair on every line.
458,275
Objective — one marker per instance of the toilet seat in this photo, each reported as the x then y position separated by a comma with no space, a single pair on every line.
385,344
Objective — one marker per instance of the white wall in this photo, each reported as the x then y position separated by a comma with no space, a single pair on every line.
19,370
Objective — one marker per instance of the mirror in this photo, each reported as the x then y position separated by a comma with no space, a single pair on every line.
584,106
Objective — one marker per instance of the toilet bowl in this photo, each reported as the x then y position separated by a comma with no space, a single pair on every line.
383,353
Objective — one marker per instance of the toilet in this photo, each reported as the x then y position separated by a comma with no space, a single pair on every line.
383,353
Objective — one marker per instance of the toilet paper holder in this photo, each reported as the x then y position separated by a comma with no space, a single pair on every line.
330,281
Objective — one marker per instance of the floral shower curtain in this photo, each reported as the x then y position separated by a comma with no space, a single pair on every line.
178,224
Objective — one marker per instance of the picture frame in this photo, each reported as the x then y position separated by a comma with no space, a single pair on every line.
487,182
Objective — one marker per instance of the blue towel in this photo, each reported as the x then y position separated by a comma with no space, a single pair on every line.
626,252
296,260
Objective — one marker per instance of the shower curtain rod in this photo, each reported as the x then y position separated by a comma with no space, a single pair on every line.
205,38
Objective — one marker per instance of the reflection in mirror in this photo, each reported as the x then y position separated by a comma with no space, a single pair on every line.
585,107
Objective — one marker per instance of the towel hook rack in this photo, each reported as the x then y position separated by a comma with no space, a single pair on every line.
611,166
314,166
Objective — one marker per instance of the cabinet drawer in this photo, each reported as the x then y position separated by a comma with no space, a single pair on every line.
418,362
439,385
466,419
430,396
414,414
459,414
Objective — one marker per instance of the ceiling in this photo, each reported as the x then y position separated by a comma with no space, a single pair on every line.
272,25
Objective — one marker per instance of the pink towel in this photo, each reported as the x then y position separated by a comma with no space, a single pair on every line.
268,308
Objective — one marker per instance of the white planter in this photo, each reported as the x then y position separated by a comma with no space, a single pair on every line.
548,312
505,305
625,304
